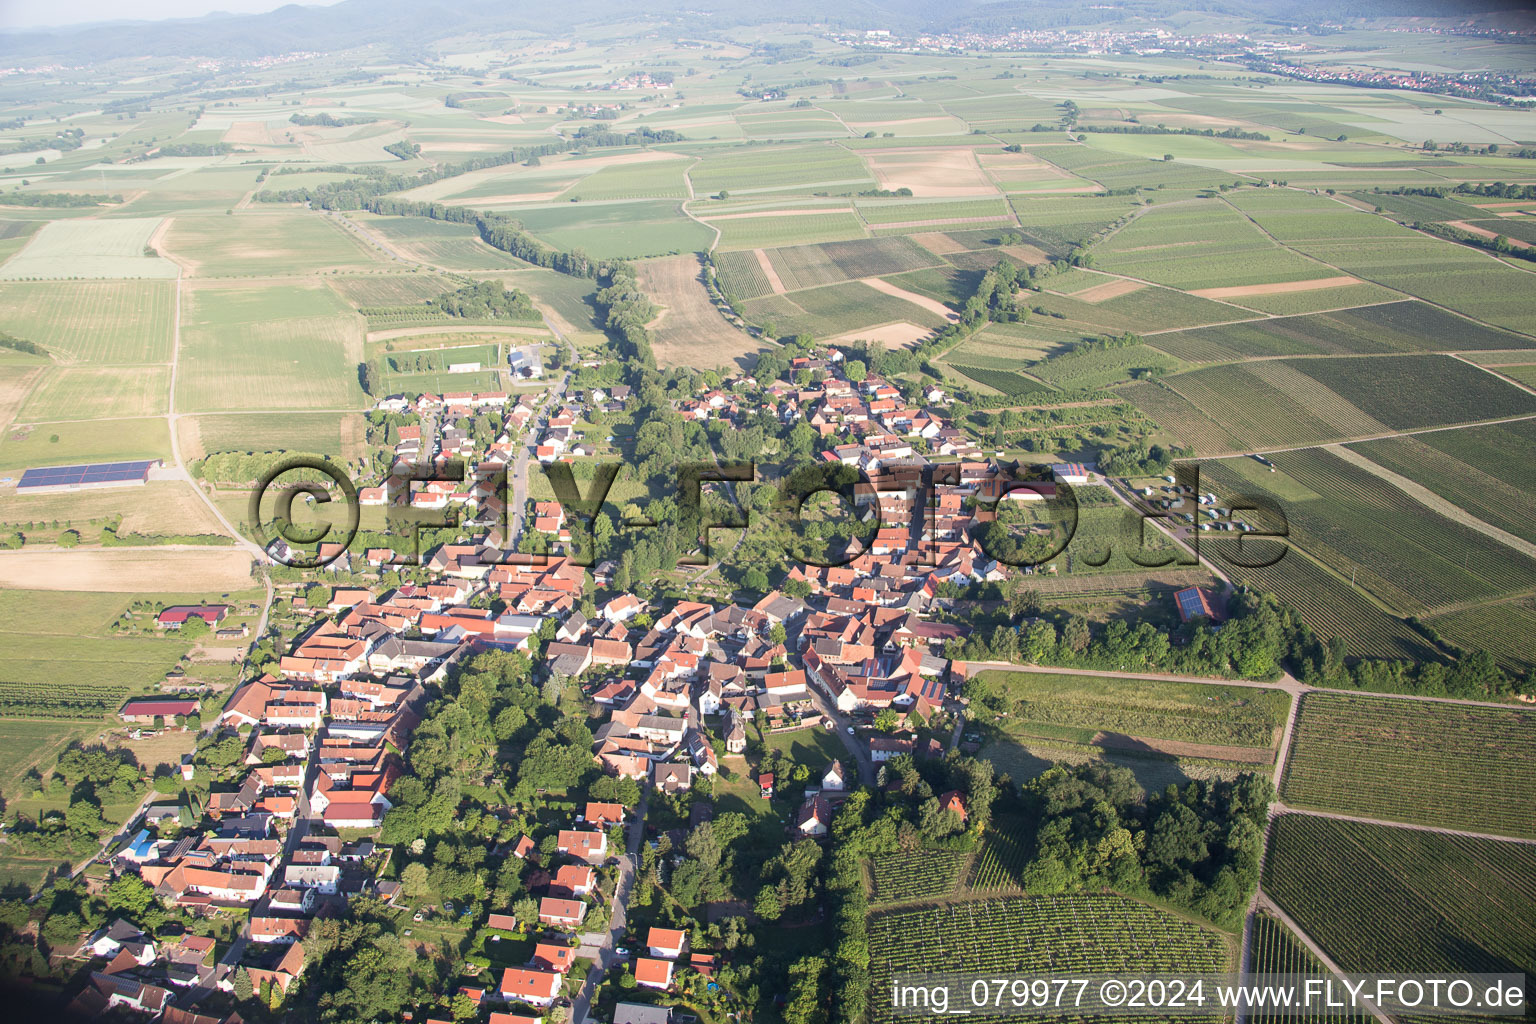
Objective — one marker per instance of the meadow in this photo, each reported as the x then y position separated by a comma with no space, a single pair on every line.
455,247
259,244
1188,713
1440,765
99,393
89,249
269,347
616,230
67,443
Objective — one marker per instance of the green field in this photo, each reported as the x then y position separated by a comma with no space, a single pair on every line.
618,230
63,444
90,249
1503,629
1496,493
1332,606
391,289
1441,765
1002,381
878,212
439,243
1206,245
1185,712
269,347
1371,330
1274,949
1100,933
767,231
98,392
836,309
320,432
810,266
1087,371
259,244
657,180
1457,905
1282,403
93,321
741,275
1442,272
1410,557
916,874
1147,309
778,168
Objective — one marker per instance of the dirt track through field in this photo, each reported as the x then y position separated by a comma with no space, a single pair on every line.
768,272
1485,233
1430,499
1280,288
922,301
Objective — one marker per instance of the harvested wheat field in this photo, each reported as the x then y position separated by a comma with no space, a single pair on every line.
933,173
689,330
938,243
898,335
127,571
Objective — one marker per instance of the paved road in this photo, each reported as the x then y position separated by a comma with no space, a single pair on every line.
601,946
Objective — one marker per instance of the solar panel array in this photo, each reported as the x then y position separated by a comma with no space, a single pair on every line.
93,473
1190,603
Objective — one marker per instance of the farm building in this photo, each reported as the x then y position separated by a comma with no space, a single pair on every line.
1072,472
177,615
1192,602
144,710
52,479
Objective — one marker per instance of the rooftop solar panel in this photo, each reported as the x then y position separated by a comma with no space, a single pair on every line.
92,473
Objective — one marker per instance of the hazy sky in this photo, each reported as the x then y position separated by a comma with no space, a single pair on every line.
38,14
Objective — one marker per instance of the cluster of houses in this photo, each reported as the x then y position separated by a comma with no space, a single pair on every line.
681,685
